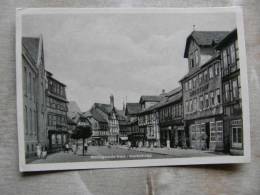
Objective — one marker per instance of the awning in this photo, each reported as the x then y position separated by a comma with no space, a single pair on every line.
124,138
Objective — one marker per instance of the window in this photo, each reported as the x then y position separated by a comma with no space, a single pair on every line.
205,75
216,69
226,92
194,82
195,104
235,89
219,130
196,53
232,54
186,86
30,84
237,53
187,106
213,136
200,78
239,86
191,106
211,73
31,128
212,98
237,135
217,96
224,56
26,119
201,102
192,62
206,100
25,81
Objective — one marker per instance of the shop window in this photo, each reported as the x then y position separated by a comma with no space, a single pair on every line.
213,135
219,130
237,136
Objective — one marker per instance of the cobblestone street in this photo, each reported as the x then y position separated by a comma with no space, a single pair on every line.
97,153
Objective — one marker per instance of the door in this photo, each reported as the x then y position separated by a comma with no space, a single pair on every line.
207,135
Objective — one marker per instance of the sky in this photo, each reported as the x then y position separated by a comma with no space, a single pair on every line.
127,55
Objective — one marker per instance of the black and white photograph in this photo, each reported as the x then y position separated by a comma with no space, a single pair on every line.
118,87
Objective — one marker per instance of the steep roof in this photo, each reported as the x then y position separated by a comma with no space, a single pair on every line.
107,108
150,98
133,108
174,91
98,116
204,39
30,45
226,39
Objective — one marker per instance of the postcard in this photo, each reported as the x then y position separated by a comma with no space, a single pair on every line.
131,87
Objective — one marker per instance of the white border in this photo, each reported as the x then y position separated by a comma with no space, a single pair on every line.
23,167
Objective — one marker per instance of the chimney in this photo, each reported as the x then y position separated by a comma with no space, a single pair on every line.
163,93
112,100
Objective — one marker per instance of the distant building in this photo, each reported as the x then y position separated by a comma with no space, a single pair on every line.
232,103
170,111
148,120
56,113
109,113
33,94
99,124
202,89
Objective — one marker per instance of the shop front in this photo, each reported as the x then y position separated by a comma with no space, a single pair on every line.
57,139
206,134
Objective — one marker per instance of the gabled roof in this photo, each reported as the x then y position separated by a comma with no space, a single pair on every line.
173,92
133,108
98,116
150,98
231,36
171,97
204,39
107,108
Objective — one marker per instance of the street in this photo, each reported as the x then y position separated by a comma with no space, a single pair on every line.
101,153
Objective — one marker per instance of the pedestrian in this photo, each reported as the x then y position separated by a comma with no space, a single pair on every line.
67,147
86,146
74,148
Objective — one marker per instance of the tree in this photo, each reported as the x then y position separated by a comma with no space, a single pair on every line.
83,132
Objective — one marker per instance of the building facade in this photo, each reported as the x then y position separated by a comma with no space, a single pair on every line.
110,115
202,89
56,113
232,100
100,131
33,99
148,120
171,120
